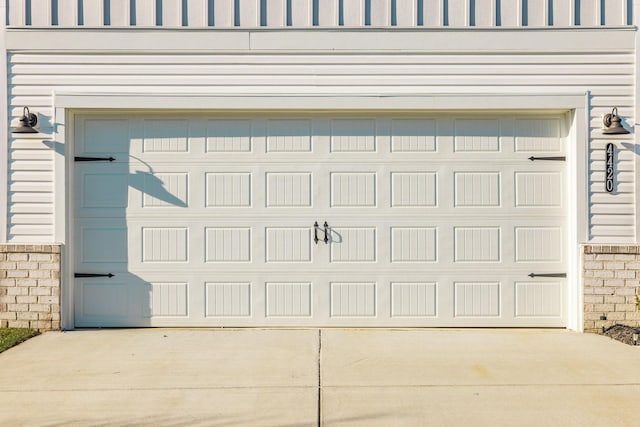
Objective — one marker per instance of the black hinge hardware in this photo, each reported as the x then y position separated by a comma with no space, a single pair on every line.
109,275
532,275
93,159
556,159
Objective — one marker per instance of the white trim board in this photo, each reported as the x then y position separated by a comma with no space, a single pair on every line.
575,105
332,40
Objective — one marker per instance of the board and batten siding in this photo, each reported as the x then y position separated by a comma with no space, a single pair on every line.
34,77
317,13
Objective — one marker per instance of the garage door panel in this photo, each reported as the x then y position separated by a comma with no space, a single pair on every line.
430,221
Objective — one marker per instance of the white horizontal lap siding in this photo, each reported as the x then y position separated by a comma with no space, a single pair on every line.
328,13
609,77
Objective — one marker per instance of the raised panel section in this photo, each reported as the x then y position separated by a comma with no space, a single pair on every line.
538,299
168,299
228,299
353,135
538,244
288,189
289,136
538,135
103,245
228,244
104,300
353,245
413,189
232,136
477,299
477,244
476,135
413,135
166,136
105,190
413,299
477,189
228,189
353,189
164,244
353,299
413,244
289,299
165,189
538,189
106,136
288,245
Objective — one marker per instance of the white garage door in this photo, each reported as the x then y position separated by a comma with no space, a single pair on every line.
421,220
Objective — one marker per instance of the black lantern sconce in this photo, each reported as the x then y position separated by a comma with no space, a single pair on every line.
612,123
27,122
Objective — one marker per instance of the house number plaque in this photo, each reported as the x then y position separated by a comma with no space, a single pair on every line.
610,167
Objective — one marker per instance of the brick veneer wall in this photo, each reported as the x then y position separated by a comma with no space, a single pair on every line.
611,276
30,286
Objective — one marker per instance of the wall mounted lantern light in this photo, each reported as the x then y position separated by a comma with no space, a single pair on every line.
27,122
612,123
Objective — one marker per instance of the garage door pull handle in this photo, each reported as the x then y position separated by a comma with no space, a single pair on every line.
93,159
315,232
557,158
532,275
326,233
109,275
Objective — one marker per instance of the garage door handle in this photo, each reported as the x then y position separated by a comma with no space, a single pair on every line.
109,275
315,232
93,159
532,275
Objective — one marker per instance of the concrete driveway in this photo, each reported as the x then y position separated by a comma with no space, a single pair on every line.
306,377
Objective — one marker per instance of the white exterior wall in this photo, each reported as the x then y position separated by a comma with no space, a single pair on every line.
307,63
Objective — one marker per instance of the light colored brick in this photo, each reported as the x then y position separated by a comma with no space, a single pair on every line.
589,325
41,257
17,257
55,325
594,299
48,316
17,273
626,307
604,257
632,315
625,274
19,324
49,282
618,315
47,299
8,299
39,291
615,299
27,266
18,307
625,291
632,283
55,316
604,308
41,325
635,265
593,265
588,290
607,265
624,257
592,316
603,291
605,274
40,307
589,257
593,282
8,266
3,291
588,307
4,323
17,291
25,315
9,315
26,282
49,266
55,308
40,274
614,283
26,299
